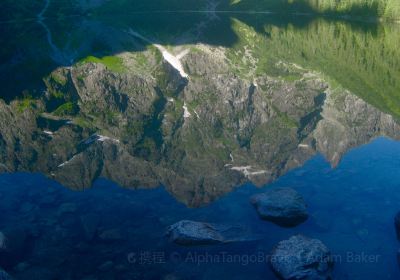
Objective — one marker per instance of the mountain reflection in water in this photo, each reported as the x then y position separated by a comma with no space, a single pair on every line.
247,112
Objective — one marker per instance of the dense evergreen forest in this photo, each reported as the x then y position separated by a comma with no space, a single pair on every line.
364,61
388,9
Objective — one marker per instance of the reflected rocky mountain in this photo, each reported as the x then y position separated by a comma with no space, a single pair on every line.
140,123
201,105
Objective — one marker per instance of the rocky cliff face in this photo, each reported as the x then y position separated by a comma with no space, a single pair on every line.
348,122
144,125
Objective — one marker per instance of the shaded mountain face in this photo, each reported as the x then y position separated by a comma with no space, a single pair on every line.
200,104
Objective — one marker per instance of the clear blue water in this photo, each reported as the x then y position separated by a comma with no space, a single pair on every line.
351,207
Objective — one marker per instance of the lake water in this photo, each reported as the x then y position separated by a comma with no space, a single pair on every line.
92,175
351,207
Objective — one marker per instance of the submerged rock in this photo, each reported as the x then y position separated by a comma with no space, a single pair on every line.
48,200
27,207
16,246
194,233
23,266
4,275
82,247
67,208
198,233
300,257
282,206
171,277
107,266
2,241
111,235
397,225
90,223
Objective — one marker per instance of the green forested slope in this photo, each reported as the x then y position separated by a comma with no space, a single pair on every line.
389,9
367,62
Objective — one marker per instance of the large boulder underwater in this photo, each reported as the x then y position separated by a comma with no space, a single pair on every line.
192,233
282,206
301,257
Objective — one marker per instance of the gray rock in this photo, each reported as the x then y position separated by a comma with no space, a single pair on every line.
282,206
198,233
300,257
194,233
